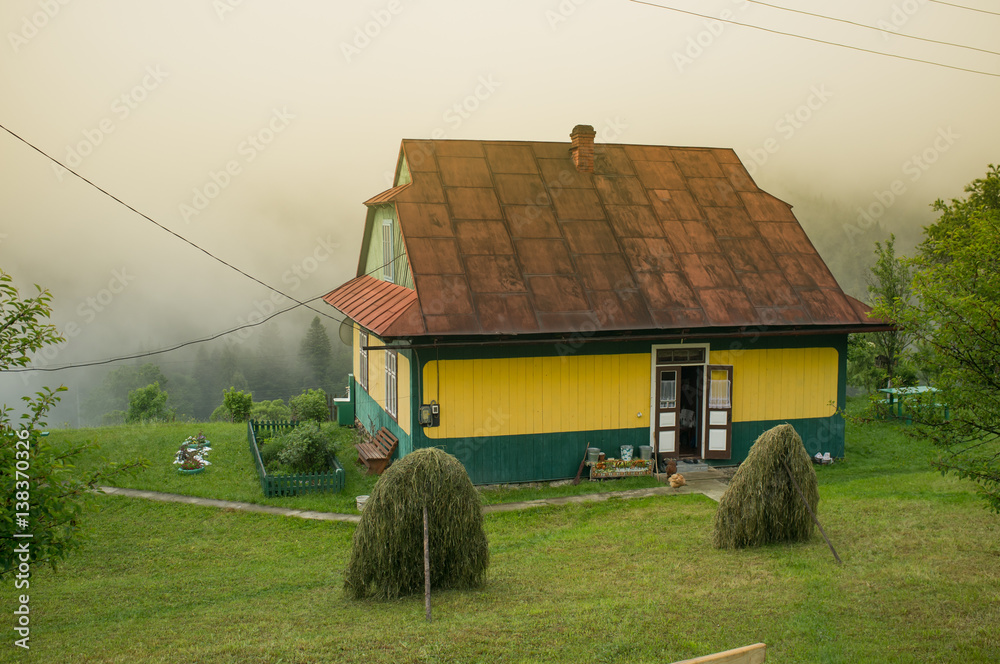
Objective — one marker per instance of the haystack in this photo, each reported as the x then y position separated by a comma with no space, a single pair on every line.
387,551
762,504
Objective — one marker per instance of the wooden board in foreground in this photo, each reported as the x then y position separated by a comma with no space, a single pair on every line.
755,654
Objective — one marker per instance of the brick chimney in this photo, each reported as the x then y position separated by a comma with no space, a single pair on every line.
583,148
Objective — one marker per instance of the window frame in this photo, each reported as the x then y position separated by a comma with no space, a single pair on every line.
391,383
363,360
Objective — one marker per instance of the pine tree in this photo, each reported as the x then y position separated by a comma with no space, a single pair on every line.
315,354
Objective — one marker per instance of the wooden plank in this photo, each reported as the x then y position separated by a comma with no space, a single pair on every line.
755,654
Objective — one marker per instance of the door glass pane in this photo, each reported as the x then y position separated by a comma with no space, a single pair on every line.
668,389
719,393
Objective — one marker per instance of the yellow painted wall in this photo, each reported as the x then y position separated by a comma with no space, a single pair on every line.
376,378
531,395
781,383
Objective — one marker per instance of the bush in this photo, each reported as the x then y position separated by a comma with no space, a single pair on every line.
148,404
221,414
310,405
269,453
762,504
305,448
387,552
238,403
270,411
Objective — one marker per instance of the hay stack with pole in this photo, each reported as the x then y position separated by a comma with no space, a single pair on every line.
772,497
387,553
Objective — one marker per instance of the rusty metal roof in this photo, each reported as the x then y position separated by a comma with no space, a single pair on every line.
507,237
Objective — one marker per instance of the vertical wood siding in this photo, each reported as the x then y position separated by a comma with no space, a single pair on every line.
782,383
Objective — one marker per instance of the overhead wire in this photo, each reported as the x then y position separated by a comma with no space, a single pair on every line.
871,27
156,223
815,39
971,9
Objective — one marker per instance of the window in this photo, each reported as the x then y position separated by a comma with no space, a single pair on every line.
668,389
719,395
387,258
680,356
363,363
390,382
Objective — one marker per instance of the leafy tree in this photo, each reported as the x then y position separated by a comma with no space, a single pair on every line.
310,405
271,411
148,404
956,287
238,403
113,393
37,478
315,353
889,282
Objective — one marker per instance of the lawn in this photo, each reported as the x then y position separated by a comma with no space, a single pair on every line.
617,581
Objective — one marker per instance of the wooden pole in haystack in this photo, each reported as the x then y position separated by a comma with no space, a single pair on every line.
427,567
811,513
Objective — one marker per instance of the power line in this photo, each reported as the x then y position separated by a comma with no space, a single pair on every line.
871,27
159,225
971,9
813,39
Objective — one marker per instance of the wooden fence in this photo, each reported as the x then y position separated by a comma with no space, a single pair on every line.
290,485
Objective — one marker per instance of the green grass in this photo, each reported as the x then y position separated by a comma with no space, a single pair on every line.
232,475
616,581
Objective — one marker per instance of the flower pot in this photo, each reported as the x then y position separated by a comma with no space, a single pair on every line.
191,471
626,452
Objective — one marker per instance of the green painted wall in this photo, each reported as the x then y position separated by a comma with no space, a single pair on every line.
373,418
373,264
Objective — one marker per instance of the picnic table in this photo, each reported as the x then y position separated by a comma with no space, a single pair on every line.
895,396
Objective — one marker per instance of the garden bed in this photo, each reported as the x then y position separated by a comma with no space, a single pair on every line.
291,485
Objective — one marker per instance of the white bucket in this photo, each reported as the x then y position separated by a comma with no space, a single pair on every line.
361,500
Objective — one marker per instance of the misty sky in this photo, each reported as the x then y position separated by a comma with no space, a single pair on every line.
256,129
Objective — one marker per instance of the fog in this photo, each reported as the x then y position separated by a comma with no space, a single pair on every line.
256,129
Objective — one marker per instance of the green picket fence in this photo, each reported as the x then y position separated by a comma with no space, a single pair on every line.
290,485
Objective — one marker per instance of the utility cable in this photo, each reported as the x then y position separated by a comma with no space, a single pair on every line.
158,224
871,27
814,39
971,9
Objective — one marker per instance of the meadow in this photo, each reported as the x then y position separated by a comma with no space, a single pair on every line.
616,581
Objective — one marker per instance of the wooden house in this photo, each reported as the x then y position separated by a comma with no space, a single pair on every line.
518,301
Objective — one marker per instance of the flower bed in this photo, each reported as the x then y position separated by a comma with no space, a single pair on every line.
613,468
291,485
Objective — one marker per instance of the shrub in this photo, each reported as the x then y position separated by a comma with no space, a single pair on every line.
238,403
762,504
148,404
305,448
269,453
221,414
387,552
310,405
270,411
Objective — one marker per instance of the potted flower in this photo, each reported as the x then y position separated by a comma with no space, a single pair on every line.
191,459
197,441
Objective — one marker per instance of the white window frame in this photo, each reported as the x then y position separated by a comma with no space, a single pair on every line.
388,273
391,383
363,360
